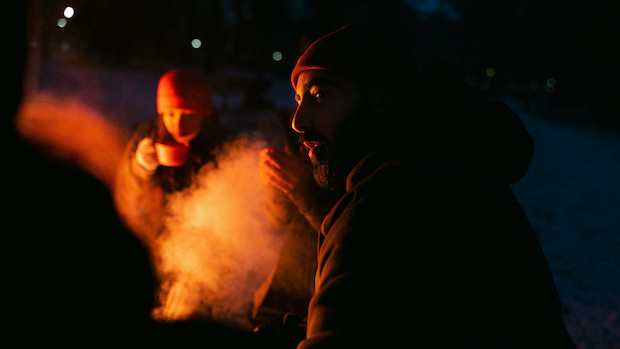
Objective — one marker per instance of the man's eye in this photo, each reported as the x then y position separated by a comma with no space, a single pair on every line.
318,95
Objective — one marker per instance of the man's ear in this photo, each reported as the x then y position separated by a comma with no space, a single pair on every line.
382,97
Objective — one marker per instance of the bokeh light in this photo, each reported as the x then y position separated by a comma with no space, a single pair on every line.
196,43
69,12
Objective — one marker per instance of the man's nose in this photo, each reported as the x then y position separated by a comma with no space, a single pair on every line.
301,120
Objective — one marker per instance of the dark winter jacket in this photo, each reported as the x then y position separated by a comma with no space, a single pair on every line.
436,251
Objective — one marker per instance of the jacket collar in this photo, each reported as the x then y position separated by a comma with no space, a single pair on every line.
364,169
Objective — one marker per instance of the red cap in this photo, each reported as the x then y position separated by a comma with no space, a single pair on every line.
360,52
185,89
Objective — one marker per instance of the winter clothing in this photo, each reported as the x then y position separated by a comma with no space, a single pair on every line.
141,193
452,123
185,89
362,53
429,246
430,259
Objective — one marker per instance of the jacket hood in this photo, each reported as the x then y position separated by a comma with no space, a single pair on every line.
469,135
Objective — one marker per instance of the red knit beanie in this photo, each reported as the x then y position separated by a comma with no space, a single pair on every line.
363,53
185,89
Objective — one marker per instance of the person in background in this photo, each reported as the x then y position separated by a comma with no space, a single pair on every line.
146,178
428,246
186,117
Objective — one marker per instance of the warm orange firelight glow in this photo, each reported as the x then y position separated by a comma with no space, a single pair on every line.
219,245
73,132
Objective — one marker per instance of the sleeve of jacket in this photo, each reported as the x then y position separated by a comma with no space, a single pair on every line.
314,203
138,198
359,276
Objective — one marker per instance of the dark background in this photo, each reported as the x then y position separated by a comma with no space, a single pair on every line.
525,43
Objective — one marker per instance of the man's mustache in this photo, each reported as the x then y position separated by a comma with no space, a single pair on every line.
310,136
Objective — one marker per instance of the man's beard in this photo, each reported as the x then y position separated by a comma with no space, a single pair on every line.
323,161
333,162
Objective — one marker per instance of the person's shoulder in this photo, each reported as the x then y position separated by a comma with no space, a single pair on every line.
373,168
146,127
374,188
388,179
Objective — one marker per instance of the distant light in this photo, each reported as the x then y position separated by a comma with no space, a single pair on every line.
490,72
550,86
196,43
62,23
69,12
277,56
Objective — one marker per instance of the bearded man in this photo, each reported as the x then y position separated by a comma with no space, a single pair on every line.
428,246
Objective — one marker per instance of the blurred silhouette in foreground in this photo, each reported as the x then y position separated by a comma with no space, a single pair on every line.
74,274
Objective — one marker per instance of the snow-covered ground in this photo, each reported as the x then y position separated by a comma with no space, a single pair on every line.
571,193
572,197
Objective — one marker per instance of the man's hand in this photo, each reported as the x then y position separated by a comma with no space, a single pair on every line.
283,171
146,156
